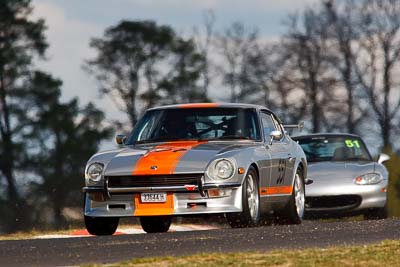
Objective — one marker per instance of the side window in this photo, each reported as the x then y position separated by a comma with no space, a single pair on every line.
267,124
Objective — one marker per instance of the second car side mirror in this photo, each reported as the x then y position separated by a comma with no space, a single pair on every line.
275,135
382,158
120,139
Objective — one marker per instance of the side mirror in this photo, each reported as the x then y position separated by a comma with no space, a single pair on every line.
275,135
120,139
382,158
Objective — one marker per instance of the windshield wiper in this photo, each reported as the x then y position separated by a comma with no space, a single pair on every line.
233,137
161,139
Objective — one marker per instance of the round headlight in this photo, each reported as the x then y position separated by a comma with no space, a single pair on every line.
221,169
94,172
370,178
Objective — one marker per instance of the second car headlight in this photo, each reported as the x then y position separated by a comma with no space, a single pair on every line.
370,178
221,169
94,172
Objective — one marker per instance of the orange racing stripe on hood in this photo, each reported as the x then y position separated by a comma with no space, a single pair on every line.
199,105
164,158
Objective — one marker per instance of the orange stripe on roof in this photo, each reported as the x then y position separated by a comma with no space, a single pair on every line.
277,190
154,209
199,105
164,158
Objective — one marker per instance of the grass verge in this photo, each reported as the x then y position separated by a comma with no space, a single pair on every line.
386,253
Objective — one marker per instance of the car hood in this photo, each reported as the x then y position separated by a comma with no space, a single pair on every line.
338,171
166,158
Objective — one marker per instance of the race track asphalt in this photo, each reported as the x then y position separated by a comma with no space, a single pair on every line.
108,249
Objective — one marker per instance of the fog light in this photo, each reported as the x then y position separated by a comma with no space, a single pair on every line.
213,193
219,192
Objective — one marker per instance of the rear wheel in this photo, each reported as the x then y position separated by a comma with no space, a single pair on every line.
250,216
156,224
377,213
101,225
294,210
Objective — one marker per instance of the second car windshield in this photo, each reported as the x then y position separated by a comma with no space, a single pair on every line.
196,124
346,148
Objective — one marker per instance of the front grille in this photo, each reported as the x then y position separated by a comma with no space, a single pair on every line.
153,180
333,202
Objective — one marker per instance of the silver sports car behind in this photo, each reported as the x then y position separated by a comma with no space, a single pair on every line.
343,177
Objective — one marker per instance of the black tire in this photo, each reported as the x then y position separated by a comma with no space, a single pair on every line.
290,214
155,224
101,225
377,213
246,218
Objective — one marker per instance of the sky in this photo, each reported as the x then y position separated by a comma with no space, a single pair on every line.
72,23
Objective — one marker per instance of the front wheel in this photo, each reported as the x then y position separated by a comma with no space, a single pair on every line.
294,210
250,216
101,225
377,213
156,224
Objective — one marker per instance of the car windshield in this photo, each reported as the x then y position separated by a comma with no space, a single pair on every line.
196,124
335,148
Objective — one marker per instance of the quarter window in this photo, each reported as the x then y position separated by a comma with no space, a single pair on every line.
268,125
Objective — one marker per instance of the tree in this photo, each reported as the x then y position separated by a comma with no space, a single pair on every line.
306,45
377,63
204,42
125,62
67,136
342,32
236,45
20,39
181,83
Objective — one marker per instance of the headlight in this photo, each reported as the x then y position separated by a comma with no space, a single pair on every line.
94,171
221,169
370,178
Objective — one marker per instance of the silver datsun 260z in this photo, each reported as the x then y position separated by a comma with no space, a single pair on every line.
192,159
343,177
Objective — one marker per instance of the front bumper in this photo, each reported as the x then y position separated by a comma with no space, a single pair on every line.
125,201
346,197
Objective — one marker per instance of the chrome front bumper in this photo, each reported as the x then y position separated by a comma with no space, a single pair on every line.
119,202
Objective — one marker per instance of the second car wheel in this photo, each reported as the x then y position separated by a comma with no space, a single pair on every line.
377,213
294,210
250,215
156,224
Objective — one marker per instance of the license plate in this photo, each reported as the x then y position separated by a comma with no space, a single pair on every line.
153,197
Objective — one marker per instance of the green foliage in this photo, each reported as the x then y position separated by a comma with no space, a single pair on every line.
140,64
66,136
394,182
20,39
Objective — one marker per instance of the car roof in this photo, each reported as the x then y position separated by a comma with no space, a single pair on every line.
213,105
325,135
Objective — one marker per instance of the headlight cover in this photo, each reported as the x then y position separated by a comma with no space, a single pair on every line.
369,178
94,172
221,169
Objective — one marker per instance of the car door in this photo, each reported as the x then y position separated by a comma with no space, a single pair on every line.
286,148
278,151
